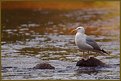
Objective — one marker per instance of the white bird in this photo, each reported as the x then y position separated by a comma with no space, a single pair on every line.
86,43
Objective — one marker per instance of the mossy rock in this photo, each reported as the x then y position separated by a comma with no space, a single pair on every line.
91,62
44,66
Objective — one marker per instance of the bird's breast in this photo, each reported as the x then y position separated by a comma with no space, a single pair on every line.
80,39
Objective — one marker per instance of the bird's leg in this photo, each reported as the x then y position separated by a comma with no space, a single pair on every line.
88,52
82,53
85,55
96,53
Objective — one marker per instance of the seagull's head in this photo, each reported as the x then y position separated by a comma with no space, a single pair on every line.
79,29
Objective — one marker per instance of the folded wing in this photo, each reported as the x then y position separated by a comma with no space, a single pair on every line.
92,43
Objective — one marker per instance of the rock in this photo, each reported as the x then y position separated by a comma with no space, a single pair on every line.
44,66
91,62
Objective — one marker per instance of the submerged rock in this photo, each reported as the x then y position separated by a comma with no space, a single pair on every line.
91,62
44,66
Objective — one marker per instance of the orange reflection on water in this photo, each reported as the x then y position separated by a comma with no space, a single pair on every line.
69,4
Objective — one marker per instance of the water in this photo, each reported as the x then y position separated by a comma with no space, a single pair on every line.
34,36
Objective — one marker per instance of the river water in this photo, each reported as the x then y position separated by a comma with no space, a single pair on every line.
35,36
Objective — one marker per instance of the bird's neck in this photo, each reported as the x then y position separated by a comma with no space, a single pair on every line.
80,33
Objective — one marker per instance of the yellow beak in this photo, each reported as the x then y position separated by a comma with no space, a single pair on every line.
73,30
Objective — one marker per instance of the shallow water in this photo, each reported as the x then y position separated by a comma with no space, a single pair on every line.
30,37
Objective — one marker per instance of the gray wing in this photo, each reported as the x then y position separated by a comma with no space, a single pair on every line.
92,42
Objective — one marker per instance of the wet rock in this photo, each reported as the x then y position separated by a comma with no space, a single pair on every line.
44,66
91,62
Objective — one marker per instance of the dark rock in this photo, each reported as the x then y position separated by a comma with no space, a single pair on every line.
91,62
44,66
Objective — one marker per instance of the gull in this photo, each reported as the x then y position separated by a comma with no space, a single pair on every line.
86,43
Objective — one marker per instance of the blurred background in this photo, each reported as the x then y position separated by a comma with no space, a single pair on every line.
37,31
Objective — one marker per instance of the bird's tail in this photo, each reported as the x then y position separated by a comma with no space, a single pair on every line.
104,51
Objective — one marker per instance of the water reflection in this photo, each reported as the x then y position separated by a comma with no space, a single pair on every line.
88,71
